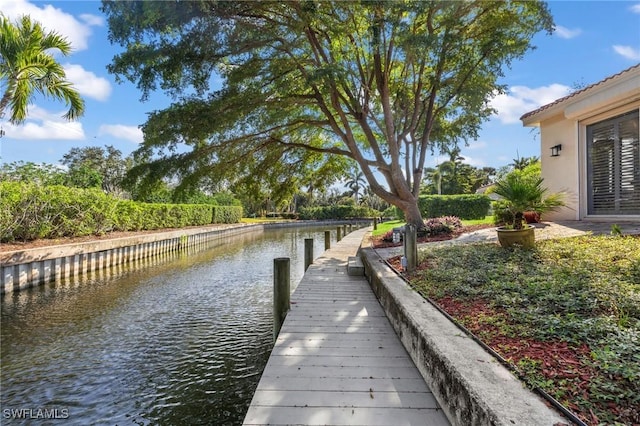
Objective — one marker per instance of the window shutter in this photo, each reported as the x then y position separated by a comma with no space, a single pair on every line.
629,167
613,166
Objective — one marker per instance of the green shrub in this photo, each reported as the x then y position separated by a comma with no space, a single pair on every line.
29,212
340,211
226,214
467,207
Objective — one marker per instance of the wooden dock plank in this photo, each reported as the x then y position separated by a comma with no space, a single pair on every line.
337,360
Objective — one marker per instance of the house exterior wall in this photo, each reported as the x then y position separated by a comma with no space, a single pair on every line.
561,173
582,144
565,122
568,172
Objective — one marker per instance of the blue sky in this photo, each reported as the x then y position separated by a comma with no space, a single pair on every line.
593,40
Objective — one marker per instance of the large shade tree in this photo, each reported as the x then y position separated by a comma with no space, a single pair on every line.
28,67
306,82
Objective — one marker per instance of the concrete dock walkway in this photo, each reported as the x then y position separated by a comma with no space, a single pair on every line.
337,360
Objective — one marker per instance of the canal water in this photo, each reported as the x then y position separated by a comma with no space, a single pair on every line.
177,340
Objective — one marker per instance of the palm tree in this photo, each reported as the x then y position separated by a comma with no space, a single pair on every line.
355,182
27,67
522,163
435,176
523,194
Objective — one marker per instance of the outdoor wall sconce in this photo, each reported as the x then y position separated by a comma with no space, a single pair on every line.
555,150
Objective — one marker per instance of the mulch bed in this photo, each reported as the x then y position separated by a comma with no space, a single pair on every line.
557,359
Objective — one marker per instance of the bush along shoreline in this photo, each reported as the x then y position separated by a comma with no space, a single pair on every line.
29,212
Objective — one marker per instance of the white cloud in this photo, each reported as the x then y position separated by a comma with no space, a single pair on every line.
52,18
43,124
521,99
628,52
635,8
477,145
120,131
472,161
92,20
87,83
564,32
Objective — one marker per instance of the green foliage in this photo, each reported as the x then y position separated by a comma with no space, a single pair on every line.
41,174
392,212
29,211
93,166
28,66
49,174
583,290
308,87
463,206
33,211
523,191
227,214
616,230
455,177
501,213
337,212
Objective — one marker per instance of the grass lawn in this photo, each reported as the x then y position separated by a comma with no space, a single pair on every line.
566,314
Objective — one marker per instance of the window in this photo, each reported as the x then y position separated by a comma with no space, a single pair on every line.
613,166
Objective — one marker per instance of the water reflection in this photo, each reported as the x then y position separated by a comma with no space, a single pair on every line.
181,340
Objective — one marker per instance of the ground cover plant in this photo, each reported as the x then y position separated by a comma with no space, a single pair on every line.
566,314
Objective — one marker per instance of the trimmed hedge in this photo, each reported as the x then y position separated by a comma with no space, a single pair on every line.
226,214
466,206
29,212
342,211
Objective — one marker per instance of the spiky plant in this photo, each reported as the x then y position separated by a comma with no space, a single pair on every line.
526,193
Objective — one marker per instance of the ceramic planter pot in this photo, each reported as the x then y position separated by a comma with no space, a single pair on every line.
532,217
523,237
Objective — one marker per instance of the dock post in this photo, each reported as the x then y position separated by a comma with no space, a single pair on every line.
338,233
308,252
411,246
281,292
327,240
375,223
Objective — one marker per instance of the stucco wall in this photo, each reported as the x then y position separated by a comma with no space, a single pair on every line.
561,173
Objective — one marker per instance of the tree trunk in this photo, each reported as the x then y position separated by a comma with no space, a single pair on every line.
412,214
4,102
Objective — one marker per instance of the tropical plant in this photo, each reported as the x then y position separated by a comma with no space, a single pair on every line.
27,67
521,193
524,162
356,183
305,82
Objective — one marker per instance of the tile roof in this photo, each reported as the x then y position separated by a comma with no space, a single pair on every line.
571,95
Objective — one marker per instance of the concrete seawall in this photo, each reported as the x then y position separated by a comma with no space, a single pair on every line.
28,268
471,386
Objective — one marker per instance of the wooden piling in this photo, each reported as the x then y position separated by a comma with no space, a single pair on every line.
308,252
338,233
327,240
281,292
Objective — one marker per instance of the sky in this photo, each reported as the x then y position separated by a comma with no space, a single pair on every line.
592,41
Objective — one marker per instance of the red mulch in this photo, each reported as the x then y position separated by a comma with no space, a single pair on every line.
558,359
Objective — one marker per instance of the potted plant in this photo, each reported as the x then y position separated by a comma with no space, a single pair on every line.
523,194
